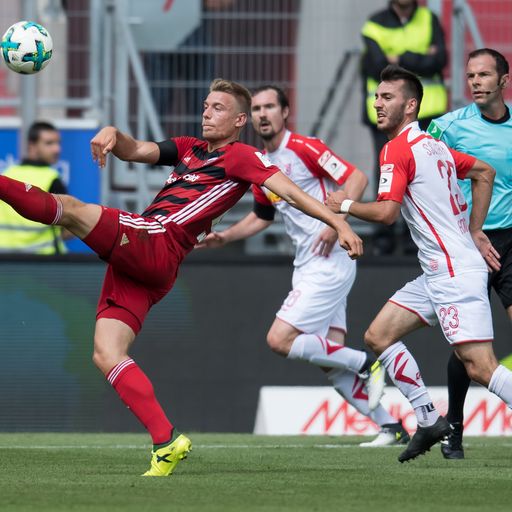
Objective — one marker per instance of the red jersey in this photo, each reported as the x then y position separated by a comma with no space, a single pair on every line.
203,186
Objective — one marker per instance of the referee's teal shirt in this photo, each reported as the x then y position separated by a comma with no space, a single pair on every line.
491,141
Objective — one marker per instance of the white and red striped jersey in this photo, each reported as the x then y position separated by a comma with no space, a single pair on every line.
421,173
316,170
203,186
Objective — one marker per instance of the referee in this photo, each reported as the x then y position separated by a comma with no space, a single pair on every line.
482,129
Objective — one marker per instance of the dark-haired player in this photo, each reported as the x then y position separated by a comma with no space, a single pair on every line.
482,129
419,176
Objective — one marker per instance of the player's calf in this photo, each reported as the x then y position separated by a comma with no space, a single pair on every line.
479,361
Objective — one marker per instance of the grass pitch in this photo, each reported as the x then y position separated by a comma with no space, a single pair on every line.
228,472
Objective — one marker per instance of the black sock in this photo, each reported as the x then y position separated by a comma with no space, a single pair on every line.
458,385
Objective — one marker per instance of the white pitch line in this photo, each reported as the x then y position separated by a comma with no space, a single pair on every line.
209,446
197,446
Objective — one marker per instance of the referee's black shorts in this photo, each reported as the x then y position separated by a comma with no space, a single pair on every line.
501,281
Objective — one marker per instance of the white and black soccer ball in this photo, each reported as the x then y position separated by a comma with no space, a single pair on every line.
26,47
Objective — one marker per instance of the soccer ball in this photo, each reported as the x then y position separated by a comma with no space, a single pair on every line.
26,47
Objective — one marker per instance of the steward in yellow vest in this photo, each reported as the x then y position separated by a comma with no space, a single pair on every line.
412,37
17,234
415,42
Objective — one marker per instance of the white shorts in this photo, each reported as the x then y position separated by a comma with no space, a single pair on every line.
318,299
460,304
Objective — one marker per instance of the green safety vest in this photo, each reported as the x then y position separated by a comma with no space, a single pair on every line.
18,234
415,36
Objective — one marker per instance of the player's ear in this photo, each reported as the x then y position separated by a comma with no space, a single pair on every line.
411,106
241,119
286,113
504,80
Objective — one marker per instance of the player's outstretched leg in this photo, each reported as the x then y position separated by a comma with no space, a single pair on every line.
352,388
30,202
35,204
112,341
458,385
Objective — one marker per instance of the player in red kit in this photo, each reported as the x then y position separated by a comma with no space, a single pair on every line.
144,252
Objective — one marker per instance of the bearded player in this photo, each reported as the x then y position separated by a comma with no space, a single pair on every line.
419,177
313,316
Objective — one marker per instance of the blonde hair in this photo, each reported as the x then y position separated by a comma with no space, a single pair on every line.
240,93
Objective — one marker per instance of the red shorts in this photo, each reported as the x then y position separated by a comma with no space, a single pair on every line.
143,260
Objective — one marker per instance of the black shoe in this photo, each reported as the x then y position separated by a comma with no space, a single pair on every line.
425,438
451,445
364,371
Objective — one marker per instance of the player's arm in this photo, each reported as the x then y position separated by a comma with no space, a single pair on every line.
294,196
482,180
259,219
482,175
249,226
354,187
356,184
382,212
123,146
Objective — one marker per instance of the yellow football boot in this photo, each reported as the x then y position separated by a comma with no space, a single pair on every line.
165,459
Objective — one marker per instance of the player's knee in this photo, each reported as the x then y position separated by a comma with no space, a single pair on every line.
277,344
371,340
70,206
102,357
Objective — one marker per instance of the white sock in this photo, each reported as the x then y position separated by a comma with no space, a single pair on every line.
405,374
323,352
351,388
501,384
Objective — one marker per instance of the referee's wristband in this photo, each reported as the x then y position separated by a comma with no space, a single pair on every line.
345,205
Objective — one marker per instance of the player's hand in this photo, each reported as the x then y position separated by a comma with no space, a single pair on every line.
488,252
334,200
349,240
103,143
325,241
214,240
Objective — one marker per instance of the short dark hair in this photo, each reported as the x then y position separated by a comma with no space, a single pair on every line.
502,66
34,132
238,91
281,95
412,84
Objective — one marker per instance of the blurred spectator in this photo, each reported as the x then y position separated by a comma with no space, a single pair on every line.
193,67
17,234
412,37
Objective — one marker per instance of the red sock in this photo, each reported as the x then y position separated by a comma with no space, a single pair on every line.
137,392
29,201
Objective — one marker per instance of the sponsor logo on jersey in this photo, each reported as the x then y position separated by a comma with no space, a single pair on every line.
385,184
332,165
191,178
264,159
386,178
